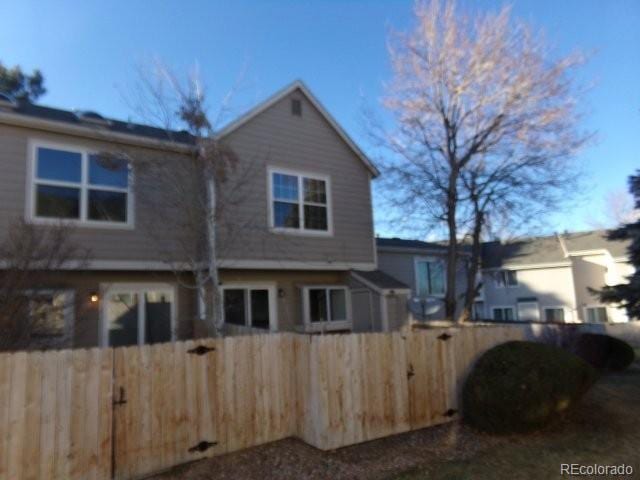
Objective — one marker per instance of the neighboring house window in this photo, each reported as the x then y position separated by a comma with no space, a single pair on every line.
51,312
300,202
327,307
136,314
554,315
478,311
430,277
596,314
249,306
80,186
503,314
506,278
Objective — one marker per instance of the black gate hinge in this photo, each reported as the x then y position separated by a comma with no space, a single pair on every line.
444,337
450,413
201,350
203,446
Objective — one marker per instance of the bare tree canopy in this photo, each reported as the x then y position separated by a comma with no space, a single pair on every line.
485,124
187,186
32,306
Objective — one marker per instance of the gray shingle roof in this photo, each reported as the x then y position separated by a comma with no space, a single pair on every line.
381,280
593,240
522,252
116,126
411,244
527,251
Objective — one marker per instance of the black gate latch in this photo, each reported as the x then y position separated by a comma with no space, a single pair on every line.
203,446
201,350
122,399
444,337
450,413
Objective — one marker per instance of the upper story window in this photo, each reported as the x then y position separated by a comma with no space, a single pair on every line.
430,277
506,278
80,186
299,202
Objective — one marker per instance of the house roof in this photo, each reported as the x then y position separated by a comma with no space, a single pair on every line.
276,97
595,240
405,244
381,280
548,249
96,121
526,251
522,252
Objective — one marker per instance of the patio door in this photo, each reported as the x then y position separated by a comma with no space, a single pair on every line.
136,314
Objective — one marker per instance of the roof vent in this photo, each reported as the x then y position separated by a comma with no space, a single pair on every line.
7,101
296,107
94,118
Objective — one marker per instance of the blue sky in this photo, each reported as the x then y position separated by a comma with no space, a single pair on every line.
89,50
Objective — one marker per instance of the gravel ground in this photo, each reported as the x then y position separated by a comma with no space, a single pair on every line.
606,427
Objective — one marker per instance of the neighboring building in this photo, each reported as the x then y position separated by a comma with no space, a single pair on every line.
549,279
544,279
305,210
422,266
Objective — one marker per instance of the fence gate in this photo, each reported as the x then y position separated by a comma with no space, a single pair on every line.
163,406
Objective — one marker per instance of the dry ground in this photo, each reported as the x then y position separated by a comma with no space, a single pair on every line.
605,429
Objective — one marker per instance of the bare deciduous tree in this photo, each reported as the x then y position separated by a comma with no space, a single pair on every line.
485,124
32,309
187,187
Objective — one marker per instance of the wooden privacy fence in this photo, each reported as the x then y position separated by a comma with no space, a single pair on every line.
127,412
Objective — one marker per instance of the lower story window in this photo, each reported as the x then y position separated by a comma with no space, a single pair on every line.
137,314
50,312
249,306
596,314
326,307
554,315
503,314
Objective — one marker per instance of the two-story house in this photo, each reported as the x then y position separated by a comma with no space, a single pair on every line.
305,211
547,279
550,279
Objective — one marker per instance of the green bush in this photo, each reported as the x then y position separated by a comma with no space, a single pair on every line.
521,386
604,352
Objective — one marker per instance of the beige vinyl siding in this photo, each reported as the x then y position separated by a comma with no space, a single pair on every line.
103,243
273,138
276,138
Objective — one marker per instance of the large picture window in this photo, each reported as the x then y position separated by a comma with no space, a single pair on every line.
299,202
430,277
80,186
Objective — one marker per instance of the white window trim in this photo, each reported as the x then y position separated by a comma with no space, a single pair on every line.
69,308
592,306
135,288
537,305
506,285
326,325
418,260
84,186
273,305
502,307
556,307
300,175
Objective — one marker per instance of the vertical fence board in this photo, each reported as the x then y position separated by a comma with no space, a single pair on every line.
58,419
